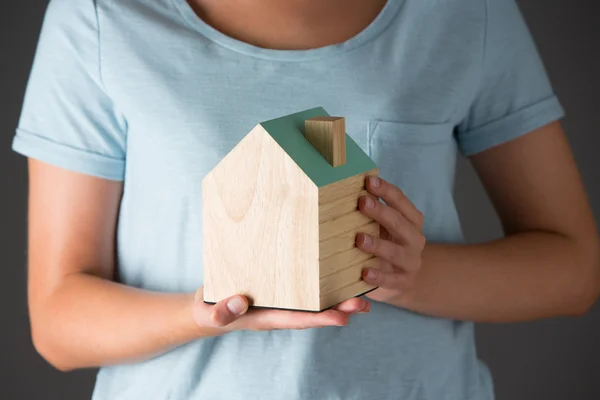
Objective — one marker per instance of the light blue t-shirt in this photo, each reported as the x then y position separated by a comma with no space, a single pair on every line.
145,92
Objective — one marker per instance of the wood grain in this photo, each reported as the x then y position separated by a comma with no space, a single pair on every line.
345,241
345,277
342,260
261,227
332,298
340,207
347,187
343,224
328,136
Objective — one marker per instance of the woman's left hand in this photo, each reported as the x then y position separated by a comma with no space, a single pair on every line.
400,244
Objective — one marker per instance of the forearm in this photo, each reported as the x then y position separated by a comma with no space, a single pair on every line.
88,321
521,277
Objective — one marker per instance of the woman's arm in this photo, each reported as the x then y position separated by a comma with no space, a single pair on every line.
548,265
81,318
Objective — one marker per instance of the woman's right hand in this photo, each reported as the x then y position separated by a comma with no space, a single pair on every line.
233,314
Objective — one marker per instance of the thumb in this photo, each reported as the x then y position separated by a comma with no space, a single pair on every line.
228,310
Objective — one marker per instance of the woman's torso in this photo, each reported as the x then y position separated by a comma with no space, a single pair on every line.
189,94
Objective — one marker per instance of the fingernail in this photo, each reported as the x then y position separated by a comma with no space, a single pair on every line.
374,181
236,305
369,203
371,274
367,240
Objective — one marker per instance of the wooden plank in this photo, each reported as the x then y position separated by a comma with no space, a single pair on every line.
346,276
260,221
343,224
328,136
344,188
340,207
339,295
341,261
345,241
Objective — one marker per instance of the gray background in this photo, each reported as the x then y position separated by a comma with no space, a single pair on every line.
549,360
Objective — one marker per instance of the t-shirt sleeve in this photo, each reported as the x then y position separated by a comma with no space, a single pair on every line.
68,119
515,95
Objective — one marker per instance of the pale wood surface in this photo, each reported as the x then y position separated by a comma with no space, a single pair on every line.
346,276
340,261
344,188
260,219
339,295
343,224
267,225
328,136
345,241
340,207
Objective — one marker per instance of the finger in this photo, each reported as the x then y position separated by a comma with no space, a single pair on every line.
392,220
388,251
353,305
366,309
385,280
283,319
396,199
382,265
329,317
228,310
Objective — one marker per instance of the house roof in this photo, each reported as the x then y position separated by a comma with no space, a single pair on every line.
288,132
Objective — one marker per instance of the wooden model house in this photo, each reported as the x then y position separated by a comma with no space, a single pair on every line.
280,215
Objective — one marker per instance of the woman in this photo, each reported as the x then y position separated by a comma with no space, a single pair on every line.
131,103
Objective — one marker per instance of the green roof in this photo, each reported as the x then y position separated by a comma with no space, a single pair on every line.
288,132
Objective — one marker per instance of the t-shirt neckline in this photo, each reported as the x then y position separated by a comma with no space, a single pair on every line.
381,21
